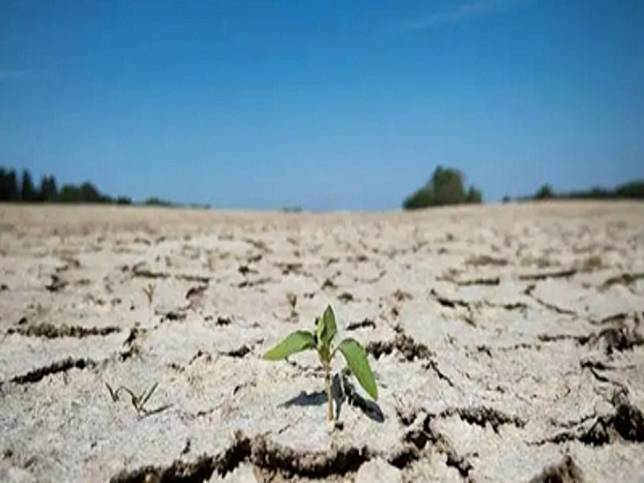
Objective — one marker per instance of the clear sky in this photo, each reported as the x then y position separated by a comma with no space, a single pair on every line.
322,104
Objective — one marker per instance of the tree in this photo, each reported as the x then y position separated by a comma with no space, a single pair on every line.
544,193
419,199
474,195
28,190
48,189
634,190
445,187
9,185
89,193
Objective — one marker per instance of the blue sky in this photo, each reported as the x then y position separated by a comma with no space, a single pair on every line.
322,104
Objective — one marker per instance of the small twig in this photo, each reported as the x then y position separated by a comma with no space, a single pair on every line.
138,402
149,292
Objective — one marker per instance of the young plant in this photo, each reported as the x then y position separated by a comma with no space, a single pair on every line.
321,341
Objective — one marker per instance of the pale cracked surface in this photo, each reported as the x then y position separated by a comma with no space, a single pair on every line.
507,342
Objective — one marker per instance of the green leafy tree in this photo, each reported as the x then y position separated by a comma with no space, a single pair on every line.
322,342
445,187
85,193
421,198
544,193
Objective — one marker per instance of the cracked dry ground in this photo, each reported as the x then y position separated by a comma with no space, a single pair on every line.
507,342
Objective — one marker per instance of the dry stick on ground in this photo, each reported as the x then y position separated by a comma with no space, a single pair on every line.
138,402
149,292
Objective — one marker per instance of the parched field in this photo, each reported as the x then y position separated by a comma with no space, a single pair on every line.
507,342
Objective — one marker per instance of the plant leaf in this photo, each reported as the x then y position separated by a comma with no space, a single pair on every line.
298,341
356,358
326,328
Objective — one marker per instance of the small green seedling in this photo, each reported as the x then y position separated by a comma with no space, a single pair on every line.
138,402
325,331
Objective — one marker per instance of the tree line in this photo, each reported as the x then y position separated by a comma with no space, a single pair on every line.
447,187
22,188
633,190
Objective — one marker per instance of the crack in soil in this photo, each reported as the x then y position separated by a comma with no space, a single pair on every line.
410,350
483,415
627,423
51,331
405,345
480,281
415,443
486,260
265,455
546,275
140,272
613,339
623,279
365,323
238,353
508,306
58,366
528,291
254,283
447,302
433,365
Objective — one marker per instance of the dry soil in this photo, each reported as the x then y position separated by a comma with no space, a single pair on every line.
507,342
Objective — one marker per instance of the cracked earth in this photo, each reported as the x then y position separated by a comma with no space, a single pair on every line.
507,342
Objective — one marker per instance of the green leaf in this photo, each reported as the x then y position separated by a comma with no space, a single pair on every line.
326,328
357,361
298,341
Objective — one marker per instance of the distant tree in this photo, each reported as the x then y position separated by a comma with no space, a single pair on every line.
69,193
48,189
544,193
123,200
506,199
634,190
4,184
474,195
14,191
28,190
89,193
445,187
421,198
154,201
9,190
85,193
